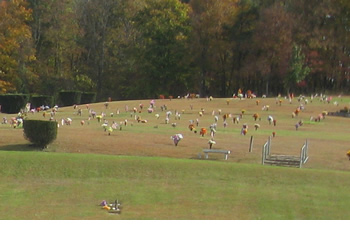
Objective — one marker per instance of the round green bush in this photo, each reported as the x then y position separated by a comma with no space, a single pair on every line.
39,132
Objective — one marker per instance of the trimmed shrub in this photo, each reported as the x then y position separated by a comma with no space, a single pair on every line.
69,98
13,103
39,100
345,110
39,132
88,97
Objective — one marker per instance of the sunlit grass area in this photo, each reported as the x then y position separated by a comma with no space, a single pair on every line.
140,166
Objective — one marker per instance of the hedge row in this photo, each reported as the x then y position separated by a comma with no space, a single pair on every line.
40,100
88,97
13,103
69,98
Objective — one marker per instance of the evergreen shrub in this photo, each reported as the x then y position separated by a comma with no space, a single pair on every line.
13,103
39,132
88,97
69,98
39,100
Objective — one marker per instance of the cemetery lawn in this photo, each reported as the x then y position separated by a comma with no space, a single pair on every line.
140,166
45,185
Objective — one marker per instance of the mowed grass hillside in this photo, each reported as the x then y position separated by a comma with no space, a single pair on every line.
328,139
39,185
140,166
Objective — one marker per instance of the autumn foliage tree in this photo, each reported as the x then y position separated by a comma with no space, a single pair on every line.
297,70
164,27
127,49
16,47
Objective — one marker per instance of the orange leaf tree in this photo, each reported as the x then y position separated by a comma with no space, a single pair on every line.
16,51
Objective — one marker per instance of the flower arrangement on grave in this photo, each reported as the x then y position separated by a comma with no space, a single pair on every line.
110,130
244,130
280,101
348,154
265,108
256,116
273,134
249,94
324,114
243,111
256,126
270,119
257,102
176,138
225,116
106,105
203,132
211,142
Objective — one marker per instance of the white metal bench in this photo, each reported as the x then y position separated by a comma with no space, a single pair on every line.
226,152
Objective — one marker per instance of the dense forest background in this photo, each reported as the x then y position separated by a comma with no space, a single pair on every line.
134,49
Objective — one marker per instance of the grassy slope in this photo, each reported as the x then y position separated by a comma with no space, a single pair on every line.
39,185
328,139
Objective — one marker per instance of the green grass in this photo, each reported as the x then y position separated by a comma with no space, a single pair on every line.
85,166
42,185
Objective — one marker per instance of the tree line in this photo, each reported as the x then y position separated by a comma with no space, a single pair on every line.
134,49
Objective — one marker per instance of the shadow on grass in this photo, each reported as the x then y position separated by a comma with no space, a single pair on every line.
20,147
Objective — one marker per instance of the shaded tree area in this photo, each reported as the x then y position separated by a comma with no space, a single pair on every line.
133,49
